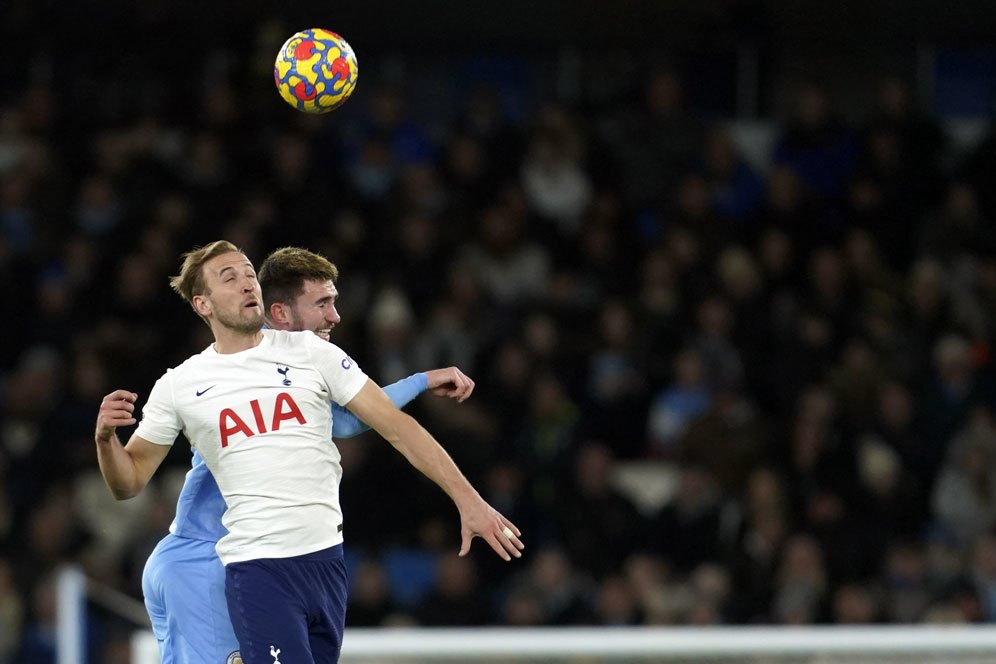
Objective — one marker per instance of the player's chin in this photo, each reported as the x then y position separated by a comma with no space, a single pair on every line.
252,318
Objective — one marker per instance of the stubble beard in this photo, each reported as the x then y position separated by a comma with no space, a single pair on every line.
242,323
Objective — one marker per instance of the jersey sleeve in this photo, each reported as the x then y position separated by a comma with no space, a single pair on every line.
160,422
342,375
347,425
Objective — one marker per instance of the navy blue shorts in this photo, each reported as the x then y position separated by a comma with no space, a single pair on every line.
289,609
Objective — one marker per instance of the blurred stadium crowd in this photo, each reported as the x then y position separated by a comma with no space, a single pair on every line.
805,347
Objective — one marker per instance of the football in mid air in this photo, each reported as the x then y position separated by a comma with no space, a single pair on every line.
315,71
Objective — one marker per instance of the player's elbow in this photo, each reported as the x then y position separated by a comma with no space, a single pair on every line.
124,491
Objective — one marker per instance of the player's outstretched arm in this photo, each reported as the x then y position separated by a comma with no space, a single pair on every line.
477,517
126,468
449,382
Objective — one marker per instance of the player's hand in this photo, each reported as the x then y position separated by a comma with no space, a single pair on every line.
116,410
481,520
450,382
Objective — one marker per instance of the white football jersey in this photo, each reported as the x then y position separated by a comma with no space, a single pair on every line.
261,420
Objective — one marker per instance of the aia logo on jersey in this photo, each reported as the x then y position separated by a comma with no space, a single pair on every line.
284,408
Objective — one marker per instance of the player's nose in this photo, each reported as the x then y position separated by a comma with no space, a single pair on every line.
332,316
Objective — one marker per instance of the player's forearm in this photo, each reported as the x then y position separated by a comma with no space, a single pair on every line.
118,468
429,458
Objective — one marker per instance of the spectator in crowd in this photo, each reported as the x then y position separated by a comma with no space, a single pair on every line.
964,498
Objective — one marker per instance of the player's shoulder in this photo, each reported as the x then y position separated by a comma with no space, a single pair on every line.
288,339
194,362
191,364
280,336
299,340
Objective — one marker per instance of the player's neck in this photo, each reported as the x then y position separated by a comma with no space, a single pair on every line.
228,341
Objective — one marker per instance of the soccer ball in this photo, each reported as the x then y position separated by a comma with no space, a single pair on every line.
315,71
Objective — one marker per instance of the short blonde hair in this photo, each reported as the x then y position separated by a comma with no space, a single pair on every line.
190,282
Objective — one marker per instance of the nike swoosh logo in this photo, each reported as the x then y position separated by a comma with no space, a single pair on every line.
206,389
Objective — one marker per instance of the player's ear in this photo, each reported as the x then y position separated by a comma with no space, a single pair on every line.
279,313
201,305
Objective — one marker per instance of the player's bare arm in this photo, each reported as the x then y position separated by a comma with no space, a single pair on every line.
477,517
126,468
450,382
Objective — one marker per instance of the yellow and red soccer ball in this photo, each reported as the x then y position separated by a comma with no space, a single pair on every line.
315,71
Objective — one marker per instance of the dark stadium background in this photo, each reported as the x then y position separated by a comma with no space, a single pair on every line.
724,272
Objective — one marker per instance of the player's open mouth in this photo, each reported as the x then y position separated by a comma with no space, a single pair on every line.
325,333
251,304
